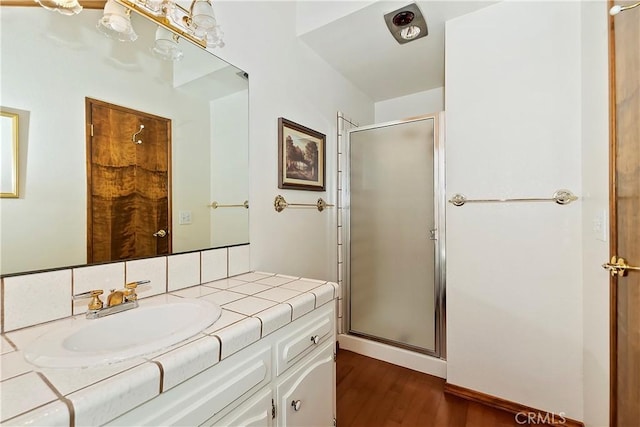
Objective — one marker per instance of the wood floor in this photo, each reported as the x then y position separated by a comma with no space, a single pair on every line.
372,393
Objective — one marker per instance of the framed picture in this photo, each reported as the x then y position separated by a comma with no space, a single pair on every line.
8,154
301,157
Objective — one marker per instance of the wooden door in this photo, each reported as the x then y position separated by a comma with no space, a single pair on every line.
128,188
624,60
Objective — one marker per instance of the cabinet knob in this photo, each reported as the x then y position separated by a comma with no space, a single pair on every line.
296,405
315,339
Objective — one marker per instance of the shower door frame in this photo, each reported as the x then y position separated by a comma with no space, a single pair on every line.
440,246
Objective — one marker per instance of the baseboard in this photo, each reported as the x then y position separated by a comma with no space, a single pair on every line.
397,356
527,416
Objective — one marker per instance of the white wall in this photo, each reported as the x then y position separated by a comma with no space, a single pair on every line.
229,158
514,271
595,167
287,79
416,104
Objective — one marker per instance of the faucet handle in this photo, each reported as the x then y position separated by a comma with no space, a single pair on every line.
130,289
136,283
96,302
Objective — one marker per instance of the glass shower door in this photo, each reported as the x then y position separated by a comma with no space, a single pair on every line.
392,233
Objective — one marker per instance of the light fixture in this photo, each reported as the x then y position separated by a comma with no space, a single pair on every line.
166,45
407,23
198,24
65,7
116,22
214,38
201,19
618,8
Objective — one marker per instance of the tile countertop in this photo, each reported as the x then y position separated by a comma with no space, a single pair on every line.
253,306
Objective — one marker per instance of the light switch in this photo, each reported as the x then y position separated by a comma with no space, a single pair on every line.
184,217
600,226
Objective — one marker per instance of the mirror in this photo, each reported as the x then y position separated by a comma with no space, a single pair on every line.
50,65
8,154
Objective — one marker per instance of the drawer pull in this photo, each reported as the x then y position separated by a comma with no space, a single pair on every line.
315,339
296,405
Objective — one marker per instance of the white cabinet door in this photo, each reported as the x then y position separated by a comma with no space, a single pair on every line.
211,393
256,412
306,397
309,334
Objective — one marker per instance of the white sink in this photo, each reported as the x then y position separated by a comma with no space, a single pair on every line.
122,336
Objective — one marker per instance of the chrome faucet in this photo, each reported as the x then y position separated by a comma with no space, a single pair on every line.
117,301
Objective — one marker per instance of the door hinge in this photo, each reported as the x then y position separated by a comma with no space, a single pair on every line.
91,129
273,410
335,422
335,356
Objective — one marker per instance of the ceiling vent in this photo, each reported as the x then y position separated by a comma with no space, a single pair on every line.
407,23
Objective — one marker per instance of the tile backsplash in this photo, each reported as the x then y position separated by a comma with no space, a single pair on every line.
154,269
214,264
238,261
36,298
183,271
33,298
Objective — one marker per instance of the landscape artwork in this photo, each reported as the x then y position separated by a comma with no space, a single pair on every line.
301,154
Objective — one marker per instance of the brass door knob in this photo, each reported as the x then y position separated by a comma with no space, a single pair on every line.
618,267
161,233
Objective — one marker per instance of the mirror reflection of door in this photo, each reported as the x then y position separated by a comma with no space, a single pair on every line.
128,183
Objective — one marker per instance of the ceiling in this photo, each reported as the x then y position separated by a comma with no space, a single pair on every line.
362,49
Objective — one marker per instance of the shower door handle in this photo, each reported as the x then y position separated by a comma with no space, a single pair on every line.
433,234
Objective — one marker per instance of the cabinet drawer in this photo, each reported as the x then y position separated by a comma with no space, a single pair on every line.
306,396
314,330
213,392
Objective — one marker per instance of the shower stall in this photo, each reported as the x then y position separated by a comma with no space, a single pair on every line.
392,199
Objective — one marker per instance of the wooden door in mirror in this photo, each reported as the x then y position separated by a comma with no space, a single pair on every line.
128,183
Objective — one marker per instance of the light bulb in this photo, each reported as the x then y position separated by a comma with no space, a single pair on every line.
410,32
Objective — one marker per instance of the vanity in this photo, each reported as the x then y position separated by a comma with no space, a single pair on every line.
269,360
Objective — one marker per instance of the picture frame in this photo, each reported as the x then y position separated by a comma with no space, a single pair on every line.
9,146
301,157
